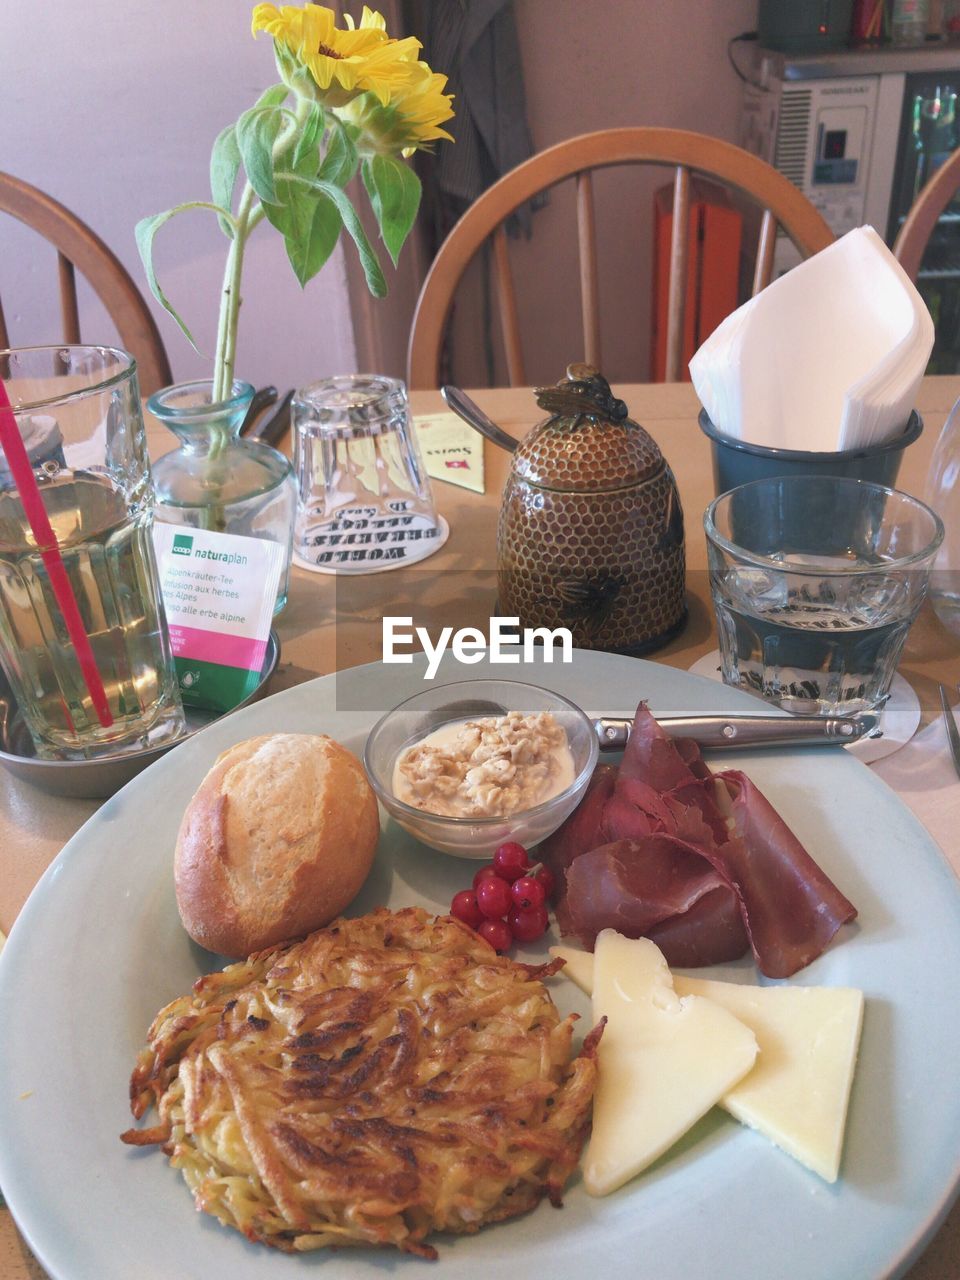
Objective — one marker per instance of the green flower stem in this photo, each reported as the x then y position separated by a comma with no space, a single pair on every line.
249,215
214,516
247,218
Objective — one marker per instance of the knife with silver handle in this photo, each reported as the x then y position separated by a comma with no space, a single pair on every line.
713,731
717,732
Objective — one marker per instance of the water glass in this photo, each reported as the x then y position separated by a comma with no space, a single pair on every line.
364,499
815,584
943,493
78,410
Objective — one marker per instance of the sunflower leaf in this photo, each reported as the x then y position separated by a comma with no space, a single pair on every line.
351,221
308,138
145,231
310,250
292,72
342,160
309,222
394,191
372,270
272,97
257,131
224,167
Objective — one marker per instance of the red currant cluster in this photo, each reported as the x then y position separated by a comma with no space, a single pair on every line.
507,903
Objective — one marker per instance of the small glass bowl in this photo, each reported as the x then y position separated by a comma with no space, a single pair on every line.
477,838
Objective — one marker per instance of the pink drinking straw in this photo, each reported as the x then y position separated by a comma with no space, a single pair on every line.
17,459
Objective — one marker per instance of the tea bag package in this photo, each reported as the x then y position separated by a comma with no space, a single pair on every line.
218,594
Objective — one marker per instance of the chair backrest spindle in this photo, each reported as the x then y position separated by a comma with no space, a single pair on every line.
509,321
68,300
589,287
679,257
763,268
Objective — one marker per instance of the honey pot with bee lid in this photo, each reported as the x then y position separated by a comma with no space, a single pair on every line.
590,535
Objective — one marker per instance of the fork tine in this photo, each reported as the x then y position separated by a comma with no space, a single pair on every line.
953,735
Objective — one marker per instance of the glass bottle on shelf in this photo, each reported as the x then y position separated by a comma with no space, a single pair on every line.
943,135
918,148
908,22
217,481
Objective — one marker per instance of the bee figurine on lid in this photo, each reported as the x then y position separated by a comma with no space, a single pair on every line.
591,529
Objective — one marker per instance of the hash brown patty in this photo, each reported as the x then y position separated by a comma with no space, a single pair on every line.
385,1078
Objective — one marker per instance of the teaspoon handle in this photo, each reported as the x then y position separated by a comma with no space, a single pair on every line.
471,413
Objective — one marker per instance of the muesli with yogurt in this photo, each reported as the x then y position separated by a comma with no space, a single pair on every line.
487,768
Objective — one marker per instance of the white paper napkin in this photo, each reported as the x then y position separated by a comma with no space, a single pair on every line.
827,357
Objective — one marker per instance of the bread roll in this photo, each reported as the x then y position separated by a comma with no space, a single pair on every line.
276,842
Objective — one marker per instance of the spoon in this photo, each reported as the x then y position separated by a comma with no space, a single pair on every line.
471,413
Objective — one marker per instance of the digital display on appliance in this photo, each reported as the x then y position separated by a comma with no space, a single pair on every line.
832,167
835,144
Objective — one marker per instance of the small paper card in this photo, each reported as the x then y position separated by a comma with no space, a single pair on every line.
452,450
219,590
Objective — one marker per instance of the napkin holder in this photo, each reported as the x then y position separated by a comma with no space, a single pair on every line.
737,462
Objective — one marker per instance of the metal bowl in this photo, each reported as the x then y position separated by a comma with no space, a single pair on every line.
98,779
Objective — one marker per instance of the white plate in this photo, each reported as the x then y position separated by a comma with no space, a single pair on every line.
98,949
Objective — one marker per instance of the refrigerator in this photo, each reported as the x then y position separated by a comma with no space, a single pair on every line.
859,132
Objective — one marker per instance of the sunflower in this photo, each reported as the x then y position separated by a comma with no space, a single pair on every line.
343,63
410,121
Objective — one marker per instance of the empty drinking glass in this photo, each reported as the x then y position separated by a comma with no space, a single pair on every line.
364,499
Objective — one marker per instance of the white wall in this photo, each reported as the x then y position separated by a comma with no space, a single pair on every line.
111,106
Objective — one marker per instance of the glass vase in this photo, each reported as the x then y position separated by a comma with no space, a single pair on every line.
217,481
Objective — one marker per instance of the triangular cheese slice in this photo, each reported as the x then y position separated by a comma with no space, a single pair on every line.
577,966
798,1092
799,1089
664,1060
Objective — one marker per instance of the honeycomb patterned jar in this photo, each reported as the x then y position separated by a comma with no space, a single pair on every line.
590,535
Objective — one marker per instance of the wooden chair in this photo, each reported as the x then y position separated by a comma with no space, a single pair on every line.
783,205
79,247
914,236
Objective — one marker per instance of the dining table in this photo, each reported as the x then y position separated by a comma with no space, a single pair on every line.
332,623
